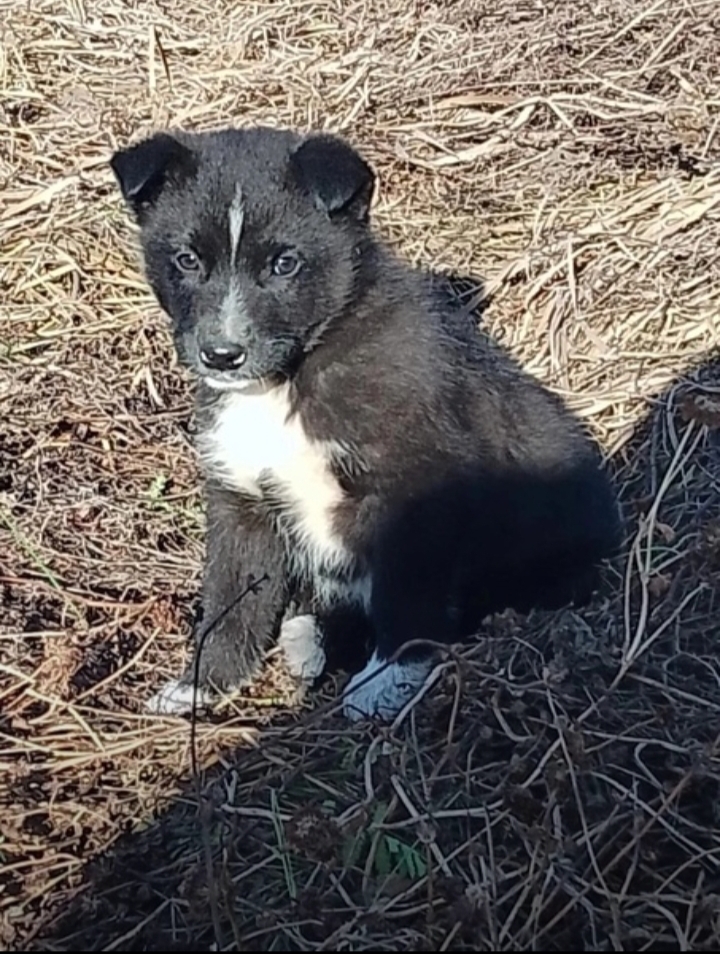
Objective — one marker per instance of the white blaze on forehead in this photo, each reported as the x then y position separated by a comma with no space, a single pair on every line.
236,220
232,309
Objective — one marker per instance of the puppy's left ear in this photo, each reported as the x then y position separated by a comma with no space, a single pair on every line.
143,170
339,180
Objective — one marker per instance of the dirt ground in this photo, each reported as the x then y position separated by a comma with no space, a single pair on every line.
559,788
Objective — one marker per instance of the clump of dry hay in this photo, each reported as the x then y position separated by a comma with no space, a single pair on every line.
559,787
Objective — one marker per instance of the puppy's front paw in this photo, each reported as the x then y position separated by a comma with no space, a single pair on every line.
301,643
176,698
385,693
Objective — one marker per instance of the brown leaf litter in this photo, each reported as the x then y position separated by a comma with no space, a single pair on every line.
559,787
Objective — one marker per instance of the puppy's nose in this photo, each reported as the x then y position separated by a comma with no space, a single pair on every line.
223,358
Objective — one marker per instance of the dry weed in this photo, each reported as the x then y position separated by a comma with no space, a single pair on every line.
559,787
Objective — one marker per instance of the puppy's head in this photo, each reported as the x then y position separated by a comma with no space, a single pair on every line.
251,241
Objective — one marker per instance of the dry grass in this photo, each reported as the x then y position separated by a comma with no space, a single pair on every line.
559,788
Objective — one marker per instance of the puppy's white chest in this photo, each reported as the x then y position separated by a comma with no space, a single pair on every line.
256,442
253,437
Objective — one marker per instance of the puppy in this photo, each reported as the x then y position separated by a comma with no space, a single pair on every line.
367,453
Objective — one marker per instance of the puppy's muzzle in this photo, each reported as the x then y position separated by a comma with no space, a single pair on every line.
226,358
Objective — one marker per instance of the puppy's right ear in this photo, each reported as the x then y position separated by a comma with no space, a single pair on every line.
143,170
337,177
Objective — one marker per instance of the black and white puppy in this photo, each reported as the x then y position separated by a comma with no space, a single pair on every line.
364,449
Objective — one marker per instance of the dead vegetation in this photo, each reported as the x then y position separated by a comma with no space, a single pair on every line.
559,787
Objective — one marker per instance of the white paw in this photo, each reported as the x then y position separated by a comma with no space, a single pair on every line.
176,698
301,643
383,695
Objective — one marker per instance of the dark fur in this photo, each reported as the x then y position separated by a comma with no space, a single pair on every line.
468,488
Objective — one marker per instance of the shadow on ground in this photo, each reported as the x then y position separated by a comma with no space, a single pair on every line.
558,790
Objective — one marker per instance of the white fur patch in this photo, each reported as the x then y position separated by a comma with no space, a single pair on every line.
330,591
232,310
301,643
384,694
217,385
176,698
236,221
255,437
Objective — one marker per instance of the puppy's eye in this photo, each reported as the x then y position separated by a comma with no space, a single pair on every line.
187,262
286,264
